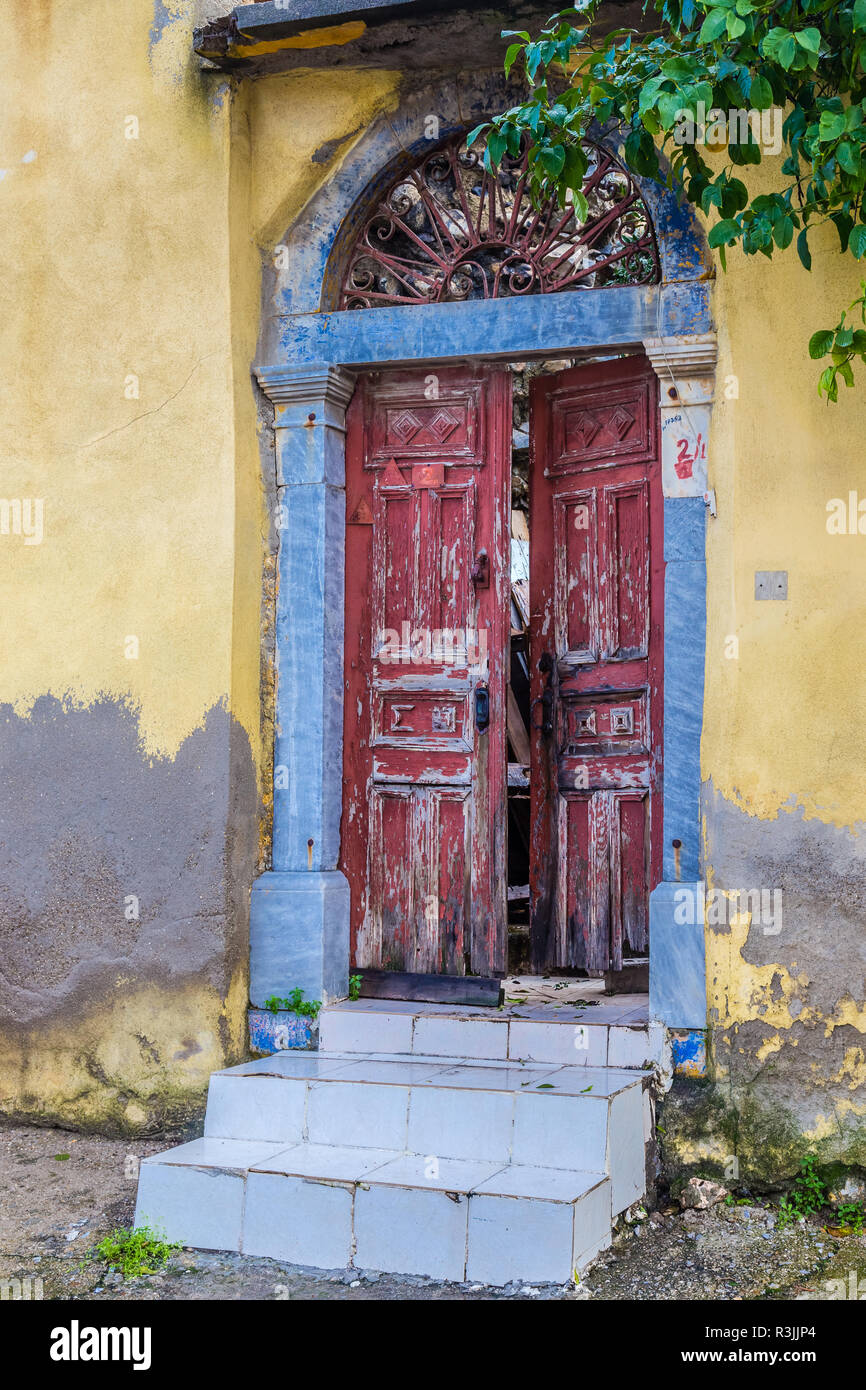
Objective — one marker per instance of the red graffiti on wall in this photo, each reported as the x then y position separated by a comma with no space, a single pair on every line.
687,457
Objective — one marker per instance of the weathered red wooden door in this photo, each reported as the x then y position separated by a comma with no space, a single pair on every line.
423,828
596,595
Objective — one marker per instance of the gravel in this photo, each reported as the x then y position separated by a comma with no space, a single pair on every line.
723,1253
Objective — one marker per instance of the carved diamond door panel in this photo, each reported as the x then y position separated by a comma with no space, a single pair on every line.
423,829
596,664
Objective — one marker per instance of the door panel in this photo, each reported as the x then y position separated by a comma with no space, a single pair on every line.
596,663
423,831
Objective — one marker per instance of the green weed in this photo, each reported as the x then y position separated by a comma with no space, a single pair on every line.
135,1252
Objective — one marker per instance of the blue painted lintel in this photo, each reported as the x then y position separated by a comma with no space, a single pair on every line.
539,325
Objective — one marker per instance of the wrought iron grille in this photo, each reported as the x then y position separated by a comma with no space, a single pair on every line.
449,230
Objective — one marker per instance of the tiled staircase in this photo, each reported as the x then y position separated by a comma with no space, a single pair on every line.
418,1140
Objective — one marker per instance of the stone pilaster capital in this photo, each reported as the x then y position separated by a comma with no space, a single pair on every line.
313,383
685,366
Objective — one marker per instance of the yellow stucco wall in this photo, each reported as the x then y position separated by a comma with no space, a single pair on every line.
784,718
139,195
120,269
784,713
142,257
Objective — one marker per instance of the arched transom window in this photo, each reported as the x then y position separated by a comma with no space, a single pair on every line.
449,230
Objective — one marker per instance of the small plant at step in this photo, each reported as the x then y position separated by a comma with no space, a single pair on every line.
354,986
851,1215
807,1196
135,1252
294,1004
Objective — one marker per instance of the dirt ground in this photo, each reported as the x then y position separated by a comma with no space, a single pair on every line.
61,1193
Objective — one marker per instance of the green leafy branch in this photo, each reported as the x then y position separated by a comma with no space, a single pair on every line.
842,344
669,90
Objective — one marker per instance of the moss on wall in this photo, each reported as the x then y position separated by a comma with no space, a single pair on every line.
743,1138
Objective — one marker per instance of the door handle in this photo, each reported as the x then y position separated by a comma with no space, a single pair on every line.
547,666
482,708
480,572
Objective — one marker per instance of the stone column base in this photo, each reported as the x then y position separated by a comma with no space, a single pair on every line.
678,986
299,936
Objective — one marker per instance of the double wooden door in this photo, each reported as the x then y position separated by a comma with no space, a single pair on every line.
427,664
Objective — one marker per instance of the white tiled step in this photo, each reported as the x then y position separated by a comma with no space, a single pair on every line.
569,1037
332,1206
537,1115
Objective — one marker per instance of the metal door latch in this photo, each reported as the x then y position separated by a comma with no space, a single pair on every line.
480,572
546,667
482,708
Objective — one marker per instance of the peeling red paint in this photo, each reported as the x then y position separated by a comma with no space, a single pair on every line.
596,655
423,835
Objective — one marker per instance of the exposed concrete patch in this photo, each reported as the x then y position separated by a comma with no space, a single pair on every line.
786,997
123,932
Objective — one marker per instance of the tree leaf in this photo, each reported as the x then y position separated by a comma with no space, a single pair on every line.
713,26
857,242
827,383
496,143
779,45
511,56
843,223
787,51
723,232
574,167
809,39
849,157
670,104
553,159
831,125
760,93
821,342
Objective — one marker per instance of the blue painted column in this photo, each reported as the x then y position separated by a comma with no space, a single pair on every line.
685,367
299,912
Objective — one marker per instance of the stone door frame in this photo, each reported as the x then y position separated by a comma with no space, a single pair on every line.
299,915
